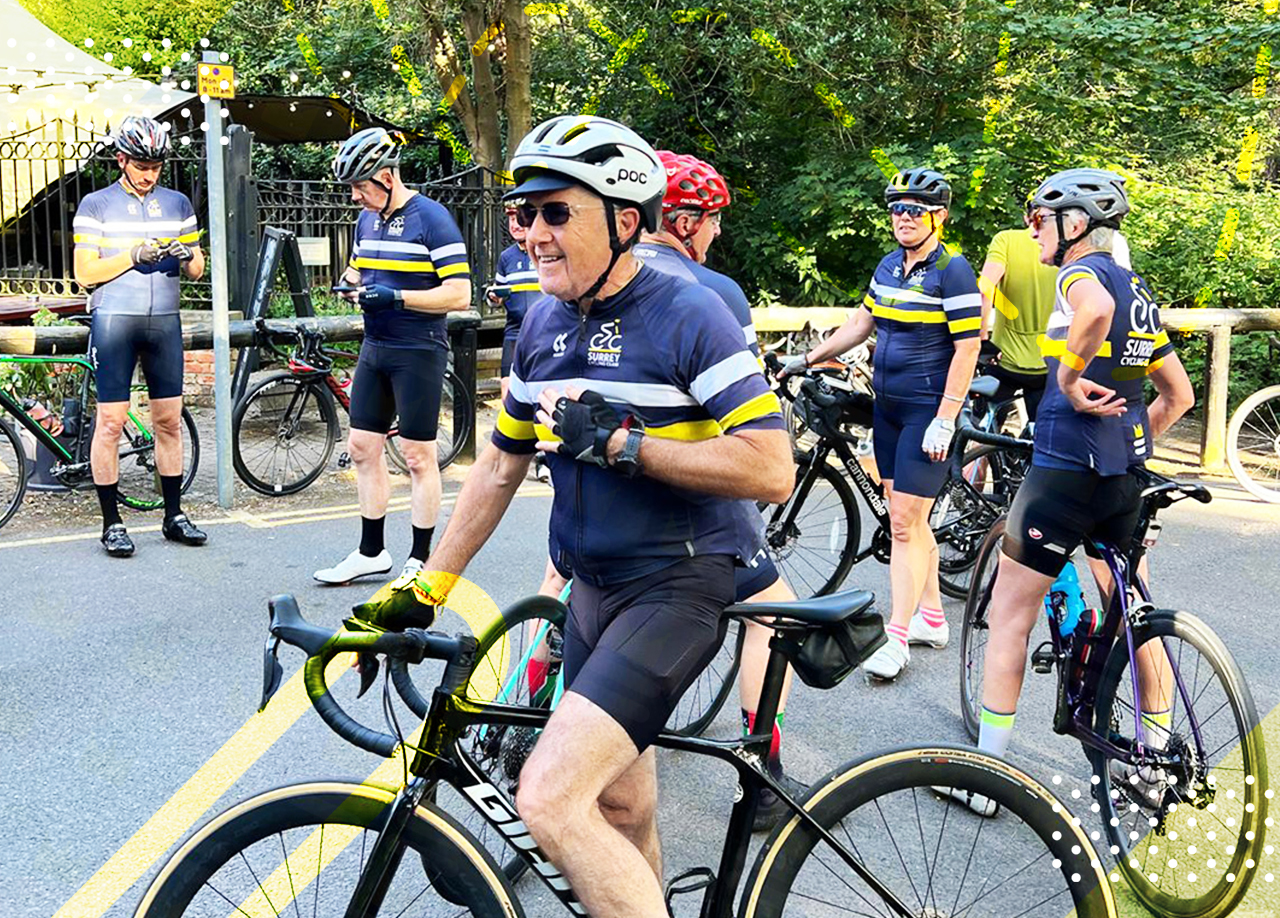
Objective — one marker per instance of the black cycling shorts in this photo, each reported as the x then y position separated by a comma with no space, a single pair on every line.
758,574
118,343
1055,510
897,438
402,381
634,648
1031,384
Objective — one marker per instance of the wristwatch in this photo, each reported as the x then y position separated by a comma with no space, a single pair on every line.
628,461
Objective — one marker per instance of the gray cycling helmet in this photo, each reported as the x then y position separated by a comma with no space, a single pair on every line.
603,156
142,138
924,185
364,154
1098,192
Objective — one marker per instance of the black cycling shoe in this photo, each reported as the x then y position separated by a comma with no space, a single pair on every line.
116,541
771,810
180,529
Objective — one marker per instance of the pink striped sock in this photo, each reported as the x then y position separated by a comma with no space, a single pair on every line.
933,617
896,633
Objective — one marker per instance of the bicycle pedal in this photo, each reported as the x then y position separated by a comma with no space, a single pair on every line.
1043,659
344,461
690,881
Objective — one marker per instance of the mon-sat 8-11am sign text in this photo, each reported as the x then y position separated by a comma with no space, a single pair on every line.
217,81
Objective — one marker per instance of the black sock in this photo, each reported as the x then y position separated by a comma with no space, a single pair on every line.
171,488
109,502
372,541
422,543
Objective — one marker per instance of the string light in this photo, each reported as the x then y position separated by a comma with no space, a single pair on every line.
128,42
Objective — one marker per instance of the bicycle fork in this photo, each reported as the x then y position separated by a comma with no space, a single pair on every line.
386,854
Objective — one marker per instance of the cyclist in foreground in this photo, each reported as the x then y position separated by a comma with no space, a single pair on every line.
1093,428
410,263
132,241
926,311
655,418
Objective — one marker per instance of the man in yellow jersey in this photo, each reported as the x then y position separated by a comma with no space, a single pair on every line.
1021,289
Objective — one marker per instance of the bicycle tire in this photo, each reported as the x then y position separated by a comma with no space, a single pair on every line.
784,540
130,486
273,418
453,433
1243,800
1257,466
973,630
394,456
960,520
464,871
13,472
898,781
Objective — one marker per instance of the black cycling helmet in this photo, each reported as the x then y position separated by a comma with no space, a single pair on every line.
143,139
924,185
1098,192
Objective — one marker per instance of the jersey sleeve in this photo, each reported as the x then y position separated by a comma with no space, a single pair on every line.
1163,346
1072,273
87,226
189,229
500,270
999,250
961,301
352,263
720,372
513,432
448,251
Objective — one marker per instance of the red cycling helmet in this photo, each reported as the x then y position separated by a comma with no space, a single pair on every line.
692,183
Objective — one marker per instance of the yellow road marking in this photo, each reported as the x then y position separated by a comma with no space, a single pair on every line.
194,798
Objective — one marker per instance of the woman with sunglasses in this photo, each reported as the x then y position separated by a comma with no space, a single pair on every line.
926,311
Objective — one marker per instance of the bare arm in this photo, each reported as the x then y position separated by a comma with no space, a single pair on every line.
1093,308
452,295
194,269
849,335
751,464
988,280
91,269
1174,395
484,498
959,375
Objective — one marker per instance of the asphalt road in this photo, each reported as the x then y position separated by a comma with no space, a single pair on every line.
130,687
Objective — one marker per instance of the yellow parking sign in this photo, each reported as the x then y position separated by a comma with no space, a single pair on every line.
217,81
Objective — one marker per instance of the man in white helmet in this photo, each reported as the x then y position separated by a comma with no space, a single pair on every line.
654,416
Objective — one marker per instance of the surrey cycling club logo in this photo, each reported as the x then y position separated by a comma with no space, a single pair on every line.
560,345
396,227
605,348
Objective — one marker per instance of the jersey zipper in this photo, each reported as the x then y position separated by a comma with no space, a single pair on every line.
582,373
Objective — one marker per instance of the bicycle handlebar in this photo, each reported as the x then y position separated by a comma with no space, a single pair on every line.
413,645
969,433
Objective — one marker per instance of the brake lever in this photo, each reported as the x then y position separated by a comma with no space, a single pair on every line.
272,671
368,672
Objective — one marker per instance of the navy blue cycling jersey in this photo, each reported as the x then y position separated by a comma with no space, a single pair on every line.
1136,345
113,220
517,271
918,320
669,261
668,352
416,248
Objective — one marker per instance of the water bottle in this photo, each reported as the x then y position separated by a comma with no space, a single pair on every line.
71,417
1083,642
1065,600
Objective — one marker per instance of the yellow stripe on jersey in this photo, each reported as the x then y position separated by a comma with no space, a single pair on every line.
1154,365
393,264
1064,284
189,237
1051,348
512,429
526,288
686,430
869,301
1162,338
449,270
758,407
973,323
544,433
929,317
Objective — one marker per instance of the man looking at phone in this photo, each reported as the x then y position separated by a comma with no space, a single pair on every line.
132,241
408,269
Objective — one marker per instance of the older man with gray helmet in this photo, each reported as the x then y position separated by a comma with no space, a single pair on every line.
1093,429
654,416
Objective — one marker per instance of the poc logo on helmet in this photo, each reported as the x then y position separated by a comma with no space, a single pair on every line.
631,175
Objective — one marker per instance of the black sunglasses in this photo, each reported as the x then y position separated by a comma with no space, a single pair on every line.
555,213
916,211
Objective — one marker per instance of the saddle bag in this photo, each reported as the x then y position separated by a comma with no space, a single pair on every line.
824,656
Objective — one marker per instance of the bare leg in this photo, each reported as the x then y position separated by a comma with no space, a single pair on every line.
1016,600
909,560
424,481
755,652
1155,672
166,418
373,486
104,451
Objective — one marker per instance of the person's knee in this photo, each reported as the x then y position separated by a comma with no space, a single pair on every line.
904,520
542,805
168,424
364,446
108,425
631,816
420,458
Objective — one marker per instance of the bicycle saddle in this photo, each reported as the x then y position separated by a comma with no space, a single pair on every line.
986,386
1165,492
820,610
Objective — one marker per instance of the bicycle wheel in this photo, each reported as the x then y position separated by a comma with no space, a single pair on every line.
973,633
699,705
960,519
139,483
1253,444
13,472
457,415
282,434
301,849
1193,852
938,858
814,535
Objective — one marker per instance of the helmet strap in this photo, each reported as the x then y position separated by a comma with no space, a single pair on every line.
616,246
124,174
686,239
386,208
1064,243
933,228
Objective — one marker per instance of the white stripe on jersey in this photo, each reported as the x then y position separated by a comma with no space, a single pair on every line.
448,251
963,301
900,295
637,395
133,226
384,245
714,380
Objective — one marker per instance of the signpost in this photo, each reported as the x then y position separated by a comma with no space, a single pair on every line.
215,82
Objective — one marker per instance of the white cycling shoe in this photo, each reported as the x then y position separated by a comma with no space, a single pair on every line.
412,568
887,662
1143,784
975,803
921,632
354,566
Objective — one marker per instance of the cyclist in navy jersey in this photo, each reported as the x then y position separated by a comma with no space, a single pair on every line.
926,311
1104,340
517,276
410,264
133,240
656,421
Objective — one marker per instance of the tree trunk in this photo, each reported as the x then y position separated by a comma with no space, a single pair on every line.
487,142
518,68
